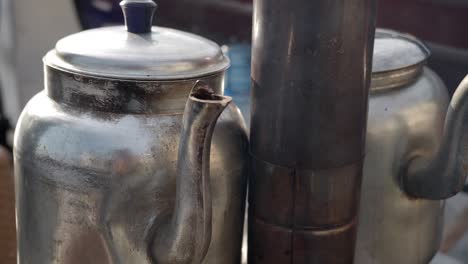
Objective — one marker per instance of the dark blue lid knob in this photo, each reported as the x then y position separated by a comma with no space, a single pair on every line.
138,15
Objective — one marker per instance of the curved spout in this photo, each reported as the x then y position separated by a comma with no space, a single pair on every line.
187,236
442,175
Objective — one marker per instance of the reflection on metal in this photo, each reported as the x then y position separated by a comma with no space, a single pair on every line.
310,77
112,171
412,158
186,237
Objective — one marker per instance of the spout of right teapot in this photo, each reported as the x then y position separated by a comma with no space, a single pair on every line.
442,175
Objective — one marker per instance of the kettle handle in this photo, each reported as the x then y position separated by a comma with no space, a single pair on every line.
441,176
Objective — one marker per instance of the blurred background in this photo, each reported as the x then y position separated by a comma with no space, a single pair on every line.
28,29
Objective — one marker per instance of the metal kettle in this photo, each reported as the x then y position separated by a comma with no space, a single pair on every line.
131,154
413,154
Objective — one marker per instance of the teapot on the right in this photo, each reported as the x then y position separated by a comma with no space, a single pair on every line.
413,154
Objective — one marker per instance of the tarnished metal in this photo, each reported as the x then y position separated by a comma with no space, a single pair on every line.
440,174
311,70
186,236
398,60
412,158
108,172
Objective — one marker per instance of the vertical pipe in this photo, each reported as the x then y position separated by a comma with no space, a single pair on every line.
311,67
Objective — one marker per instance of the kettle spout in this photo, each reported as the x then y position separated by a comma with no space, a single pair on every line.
442,175
187,236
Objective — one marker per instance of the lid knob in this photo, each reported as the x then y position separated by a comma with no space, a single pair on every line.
138,15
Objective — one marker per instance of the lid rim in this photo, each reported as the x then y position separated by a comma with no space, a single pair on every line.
420,64
396,79
163,54
93,75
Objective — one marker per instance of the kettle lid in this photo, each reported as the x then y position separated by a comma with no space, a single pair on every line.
137,51
394,51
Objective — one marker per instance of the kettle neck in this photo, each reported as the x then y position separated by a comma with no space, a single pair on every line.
123,96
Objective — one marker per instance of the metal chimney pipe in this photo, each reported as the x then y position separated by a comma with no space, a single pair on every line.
311,70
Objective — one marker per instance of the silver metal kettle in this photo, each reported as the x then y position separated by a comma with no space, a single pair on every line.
413,154
131,154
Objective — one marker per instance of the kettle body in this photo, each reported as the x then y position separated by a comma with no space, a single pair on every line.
90,184
407,119
393,226
117,161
